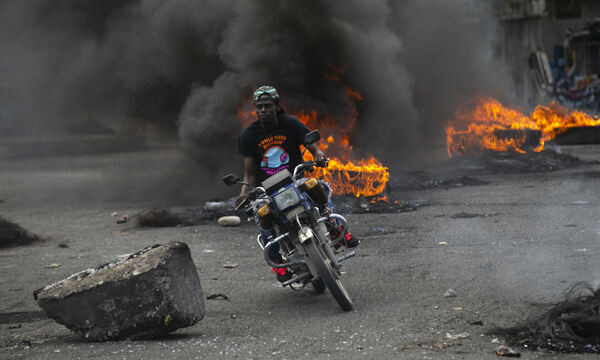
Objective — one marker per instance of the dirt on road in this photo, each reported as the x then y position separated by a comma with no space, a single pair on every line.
534,235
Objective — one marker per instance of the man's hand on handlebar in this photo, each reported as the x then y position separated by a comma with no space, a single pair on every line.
321,160
239,200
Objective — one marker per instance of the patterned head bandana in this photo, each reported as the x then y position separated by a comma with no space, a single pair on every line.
266,90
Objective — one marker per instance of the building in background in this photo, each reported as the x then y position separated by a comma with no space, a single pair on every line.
552,49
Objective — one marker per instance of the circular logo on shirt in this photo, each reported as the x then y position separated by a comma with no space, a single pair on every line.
274,158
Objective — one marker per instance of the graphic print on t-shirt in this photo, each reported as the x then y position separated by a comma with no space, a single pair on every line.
275,158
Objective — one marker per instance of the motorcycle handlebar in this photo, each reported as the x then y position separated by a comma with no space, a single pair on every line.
250,196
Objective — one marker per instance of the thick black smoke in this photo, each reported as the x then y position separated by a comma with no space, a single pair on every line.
192,64
66,63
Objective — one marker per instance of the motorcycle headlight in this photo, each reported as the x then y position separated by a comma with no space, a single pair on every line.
286,198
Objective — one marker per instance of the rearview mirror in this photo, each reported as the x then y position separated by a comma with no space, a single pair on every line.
231,179
312,137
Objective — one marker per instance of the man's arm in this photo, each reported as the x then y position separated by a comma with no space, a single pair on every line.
249,178
320,158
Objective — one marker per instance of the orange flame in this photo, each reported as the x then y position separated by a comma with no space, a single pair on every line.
345,174
485,127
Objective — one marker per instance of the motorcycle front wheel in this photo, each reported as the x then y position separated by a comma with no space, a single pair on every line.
329,276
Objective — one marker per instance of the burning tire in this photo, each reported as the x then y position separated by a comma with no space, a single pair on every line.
329,276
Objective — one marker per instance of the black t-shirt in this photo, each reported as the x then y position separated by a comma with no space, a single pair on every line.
273,150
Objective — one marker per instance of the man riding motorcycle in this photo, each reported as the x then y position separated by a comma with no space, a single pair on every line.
270,145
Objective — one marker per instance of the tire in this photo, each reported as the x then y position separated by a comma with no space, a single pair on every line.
329,276
319,286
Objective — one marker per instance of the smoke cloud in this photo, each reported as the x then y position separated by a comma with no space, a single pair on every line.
191,65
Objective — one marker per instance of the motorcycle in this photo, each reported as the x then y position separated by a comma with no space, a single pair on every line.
312,237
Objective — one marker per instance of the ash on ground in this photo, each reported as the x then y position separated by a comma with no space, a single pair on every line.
421,180
374,205
572,325
494,163
12,234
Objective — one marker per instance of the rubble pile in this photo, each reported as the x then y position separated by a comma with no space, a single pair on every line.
572,325
143,295
12,234
161,218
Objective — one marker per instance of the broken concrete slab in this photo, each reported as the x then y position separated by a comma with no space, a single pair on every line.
147,294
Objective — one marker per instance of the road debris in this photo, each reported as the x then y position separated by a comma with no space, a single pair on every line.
507,352
231,220
149,293
12,234
123,219
433,345
52,266
465,215
219,296
477,323
63,246
572,325
458,309
160,218
450,293
114,214
443,243
580,202
230,265
220,206
460,336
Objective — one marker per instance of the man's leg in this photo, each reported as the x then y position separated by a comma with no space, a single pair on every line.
347,239
267,235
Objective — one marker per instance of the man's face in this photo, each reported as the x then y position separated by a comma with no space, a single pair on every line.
266,111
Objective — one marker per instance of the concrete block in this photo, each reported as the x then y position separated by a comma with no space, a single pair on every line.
143,295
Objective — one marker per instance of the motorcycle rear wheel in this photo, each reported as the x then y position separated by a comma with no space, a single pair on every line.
329,276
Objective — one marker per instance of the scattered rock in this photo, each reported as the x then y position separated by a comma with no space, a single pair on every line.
450,293
229,220
460,336
150,293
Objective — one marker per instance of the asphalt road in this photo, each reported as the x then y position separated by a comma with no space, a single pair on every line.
535,236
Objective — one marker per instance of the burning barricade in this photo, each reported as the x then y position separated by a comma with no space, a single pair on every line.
490,126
